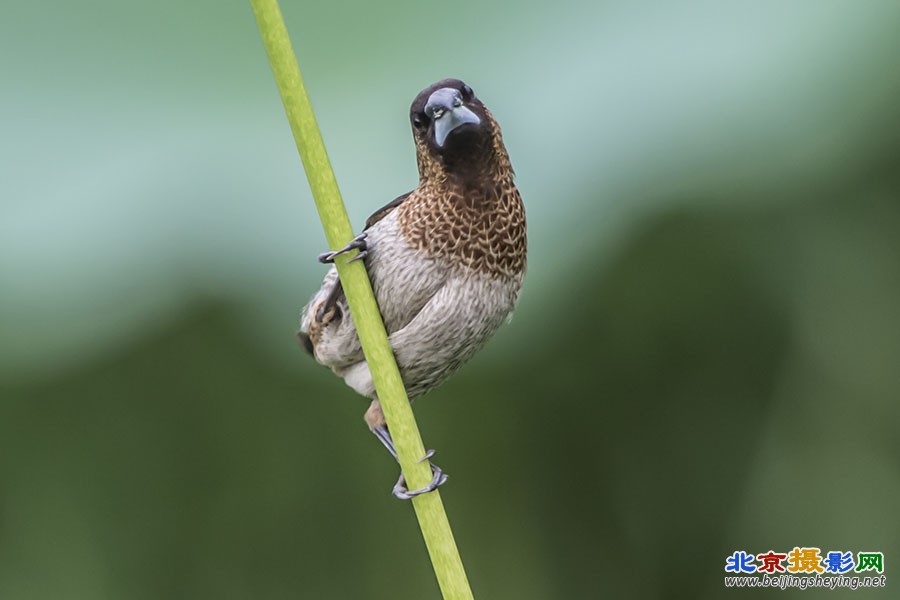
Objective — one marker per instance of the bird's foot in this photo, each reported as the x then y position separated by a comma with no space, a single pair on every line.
357,243
403,493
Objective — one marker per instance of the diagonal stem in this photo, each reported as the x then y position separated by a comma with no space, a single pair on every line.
391,393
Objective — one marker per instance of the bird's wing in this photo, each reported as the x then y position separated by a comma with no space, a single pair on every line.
336,297
385,210
326,326
330,304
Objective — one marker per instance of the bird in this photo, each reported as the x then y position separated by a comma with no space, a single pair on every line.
446,260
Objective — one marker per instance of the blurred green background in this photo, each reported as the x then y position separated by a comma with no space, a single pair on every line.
705,356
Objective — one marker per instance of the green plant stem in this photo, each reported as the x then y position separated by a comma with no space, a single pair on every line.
391,392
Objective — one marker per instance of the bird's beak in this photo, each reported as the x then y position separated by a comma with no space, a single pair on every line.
446,108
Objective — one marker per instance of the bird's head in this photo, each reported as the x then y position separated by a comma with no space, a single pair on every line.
454,132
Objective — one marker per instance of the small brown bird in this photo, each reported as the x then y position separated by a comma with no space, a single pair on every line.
446,260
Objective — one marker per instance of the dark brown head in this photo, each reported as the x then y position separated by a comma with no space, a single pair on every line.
455,133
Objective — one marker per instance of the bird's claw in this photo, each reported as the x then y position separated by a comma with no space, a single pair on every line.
357,243
400,490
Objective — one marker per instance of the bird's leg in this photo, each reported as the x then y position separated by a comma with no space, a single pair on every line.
400,490
357,243
384,437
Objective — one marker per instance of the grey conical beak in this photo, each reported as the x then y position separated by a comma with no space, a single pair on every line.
446,108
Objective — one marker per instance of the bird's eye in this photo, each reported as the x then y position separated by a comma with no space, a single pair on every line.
420,121
467,92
